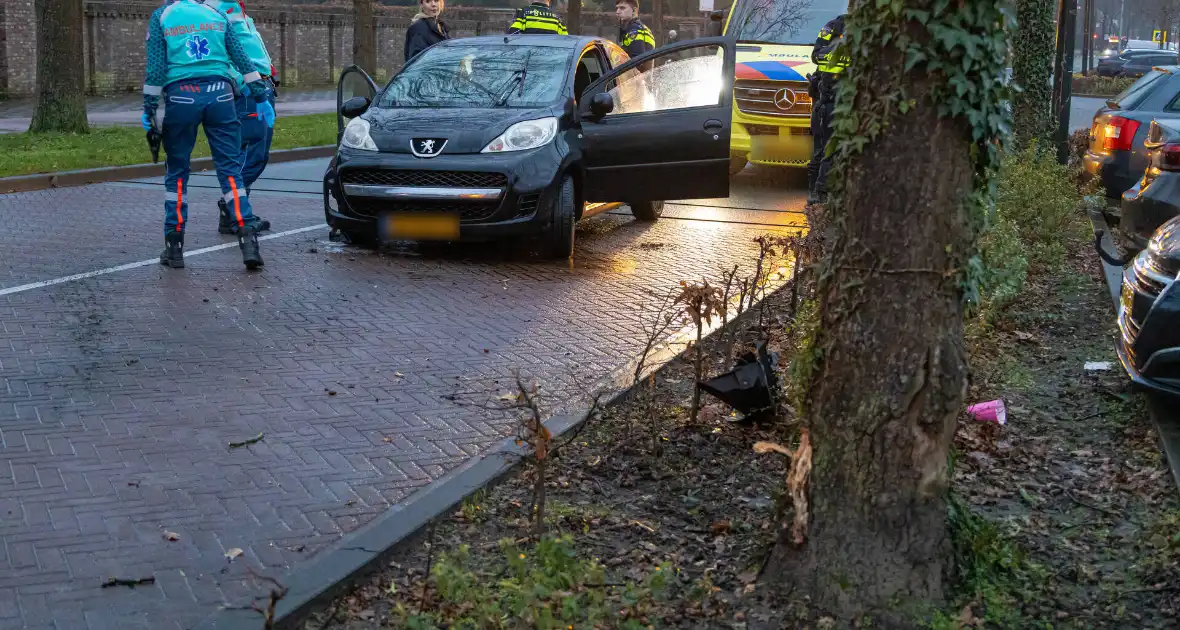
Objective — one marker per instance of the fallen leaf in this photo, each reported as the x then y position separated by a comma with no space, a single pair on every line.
233,553
388,439
171,536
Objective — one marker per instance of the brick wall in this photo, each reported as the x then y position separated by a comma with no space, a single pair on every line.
308,44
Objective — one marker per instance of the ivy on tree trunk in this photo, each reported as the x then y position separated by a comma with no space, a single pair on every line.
1033,47
920,118
61,97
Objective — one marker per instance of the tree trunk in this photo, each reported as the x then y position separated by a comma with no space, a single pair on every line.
890,372
657,21
1032,69
364,36
61,86
573,17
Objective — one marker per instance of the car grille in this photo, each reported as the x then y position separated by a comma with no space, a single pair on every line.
1143,282
426,179
469,212
758,97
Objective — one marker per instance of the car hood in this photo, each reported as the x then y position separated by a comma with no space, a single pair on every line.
464,130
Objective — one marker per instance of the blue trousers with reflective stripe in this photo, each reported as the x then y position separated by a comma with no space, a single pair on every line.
208,103
256,140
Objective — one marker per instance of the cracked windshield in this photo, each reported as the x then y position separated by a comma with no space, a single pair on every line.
520,314
480,76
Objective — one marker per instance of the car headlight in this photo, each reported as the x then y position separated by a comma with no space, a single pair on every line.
527,134
356,135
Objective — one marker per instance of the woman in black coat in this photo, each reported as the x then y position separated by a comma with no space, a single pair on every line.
426,29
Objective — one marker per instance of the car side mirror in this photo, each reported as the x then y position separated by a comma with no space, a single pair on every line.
602,104
354,106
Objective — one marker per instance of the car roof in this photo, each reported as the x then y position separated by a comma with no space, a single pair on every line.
520,39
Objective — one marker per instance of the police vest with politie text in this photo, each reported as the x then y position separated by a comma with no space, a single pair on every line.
828,58
536,19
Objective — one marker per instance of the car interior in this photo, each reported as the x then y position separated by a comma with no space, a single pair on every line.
589,69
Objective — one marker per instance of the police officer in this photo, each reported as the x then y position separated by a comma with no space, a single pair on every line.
191,57
536,19
634,37
257,133
829,64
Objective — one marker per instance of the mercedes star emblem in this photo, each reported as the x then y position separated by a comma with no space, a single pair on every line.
784,99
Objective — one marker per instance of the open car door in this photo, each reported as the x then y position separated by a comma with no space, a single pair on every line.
354,82
658,127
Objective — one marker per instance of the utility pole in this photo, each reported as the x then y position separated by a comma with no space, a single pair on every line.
1067,17
1087,34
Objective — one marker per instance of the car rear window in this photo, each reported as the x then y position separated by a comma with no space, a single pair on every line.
463,76
1132,96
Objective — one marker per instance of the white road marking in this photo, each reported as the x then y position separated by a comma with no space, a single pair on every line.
143,263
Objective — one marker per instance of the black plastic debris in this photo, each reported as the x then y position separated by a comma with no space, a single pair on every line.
751,387
154,139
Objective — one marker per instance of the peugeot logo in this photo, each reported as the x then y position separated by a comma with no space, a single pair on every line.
427,147
784,99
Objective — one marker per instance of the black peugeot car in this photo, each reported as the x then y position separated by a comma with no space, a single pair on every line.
487,138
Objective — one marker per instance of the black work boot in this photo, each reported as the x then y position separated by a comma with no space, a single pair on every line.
226,225
248,243
173,254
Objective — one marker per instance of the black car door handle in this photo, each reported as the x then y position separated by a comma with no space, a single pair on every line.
713,126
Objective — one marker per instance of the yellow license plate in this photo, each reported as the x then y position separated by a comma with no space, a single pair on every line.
422,226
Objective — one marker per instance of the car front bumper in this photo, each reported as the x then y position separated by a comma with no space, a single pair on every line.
771,140
494,195
1149,326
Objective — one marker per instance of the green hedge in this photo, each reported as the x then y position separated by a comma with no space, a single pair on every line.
1100,86
1038,211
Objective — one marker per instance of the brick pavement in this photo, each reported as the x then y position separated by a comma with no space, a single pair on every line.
120,392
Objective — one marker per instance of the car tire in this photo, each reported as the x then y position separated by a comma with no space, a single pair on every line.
647,210
736,164
559,241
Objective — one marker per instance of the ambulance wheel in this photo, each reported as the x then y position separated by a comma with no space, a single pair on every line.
647,210
736,164
559,240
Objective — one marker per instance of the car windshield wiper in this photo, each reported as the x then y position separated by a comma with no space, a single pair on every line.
517,80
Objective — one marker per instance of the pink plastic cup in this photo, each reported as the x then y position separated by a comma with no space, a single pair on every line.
990,411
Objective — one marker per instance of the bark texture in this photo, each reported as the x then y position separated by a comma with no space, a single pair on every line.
573,17
364,36
61,82
891,371
1032,69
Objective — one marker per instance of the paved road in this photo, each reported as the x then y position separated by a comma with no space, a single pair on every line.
1082,110
125,110
120,391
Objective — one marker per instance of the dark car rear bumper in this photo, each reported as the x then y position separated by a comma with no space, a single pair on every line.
1116,171
496,196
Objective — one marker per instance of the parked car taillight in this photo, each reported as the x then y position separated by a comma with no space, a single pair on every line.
1119,134
1168,157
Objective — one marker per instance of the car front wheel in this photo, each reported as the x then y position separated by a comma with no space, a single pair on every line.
647,210
560,237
